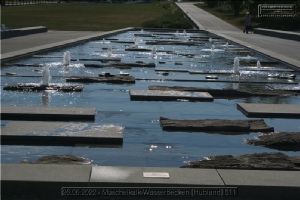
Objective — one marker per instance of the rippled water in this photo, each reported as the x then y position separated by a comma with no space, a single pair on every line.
145,144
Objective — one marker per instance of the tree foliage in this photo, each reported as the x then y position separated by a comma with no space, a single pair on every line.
250,5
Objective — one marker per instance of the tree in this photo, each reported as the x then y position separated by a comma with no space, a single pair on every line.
236,6
212,3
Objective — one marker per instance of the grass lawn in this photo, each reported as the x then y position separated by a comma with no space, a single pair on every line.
81,16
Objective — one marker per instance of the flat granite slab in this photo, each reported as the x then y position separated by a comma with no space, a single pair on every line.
42,179
232,93
38,87
153,176
114,79
60,133
263,184
47,113
53,181
270,110
215,125
161,95
271,69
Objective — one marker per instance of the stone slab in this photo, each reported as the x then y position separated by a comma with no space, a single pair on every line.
48,179
241,70
270,110
267,177
39,87
160,95
210,72
170,70
59,133
227,80
263,184
42,179
47,113
114,79
232,93
103,175
266,69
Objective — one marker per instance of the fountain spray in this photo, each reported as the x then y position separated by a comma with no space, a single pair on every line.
46,77
258,65
236,65
67,58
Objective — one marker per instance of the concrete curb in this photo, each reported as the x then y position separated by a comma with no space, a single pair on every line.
47,113
57,180
280,34
22,32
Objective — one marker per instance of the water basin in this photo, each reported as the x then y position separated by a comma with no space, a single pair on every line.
144,142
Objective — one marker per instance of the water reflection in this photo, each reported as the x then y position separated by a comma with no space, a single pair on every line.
45,98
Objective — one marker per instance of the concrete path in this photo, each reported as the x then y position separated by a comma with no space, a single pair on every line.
59,181
35,40
16,47
205,20
282,49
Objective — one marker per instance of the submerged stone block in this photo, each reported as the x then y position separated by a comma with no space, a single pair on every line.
160,95
284,141
233,93
266,161
38,87
60,159
116,79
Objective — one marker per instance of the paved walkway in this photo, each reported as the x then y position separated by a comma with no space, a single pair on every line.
122,182
285,50
29,44
40,39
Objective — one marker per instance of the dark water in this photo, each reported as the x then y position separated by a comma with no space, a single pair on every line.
145,144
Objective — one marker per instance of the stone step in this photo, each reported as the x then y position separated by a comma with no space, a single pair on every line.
270,110
160,95
60,134
47,113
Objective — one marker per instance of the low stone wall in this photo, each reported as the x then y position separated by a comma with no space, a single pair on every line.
280,34
22,31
